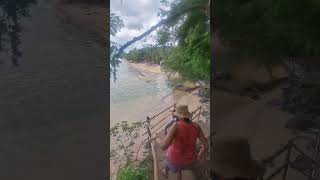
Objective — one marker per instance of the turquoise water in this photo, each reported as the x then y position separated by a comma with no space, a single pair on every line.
135,95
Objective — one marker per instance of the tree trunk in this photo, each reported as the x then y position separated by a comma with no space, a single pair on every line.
159,24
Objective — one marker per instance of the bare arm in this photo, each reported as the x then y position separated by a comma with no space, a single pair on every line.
169,137
204,143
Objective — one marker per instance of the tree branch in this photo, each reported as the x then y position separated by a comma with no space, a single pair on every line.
159,24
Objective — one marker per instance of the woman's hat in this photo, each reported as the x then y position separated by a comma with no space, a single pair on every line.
182,111
232,158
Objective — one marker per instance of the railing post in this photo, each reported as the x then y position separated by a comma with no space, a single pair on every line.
148,126
153,151
315,169
285,172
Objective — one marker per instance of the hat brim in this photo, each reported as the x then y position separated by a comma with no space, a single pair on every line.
183,115
252,170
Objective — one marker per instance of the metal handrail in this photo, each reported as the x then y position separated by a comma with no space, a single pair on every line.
309,158
160,121
149,119
156,124
151,138
284,168
160,112
279,170
276,154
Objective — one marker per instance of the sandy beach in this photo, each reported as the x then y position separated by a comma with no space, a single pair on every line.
143,67
180,97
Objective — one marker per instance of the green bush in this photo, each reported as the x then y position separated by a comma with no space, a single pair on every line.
132,172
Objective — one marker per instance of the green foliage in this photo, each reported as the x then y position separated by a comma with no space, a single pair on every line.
124,154
116,24
270,28
132,172
151,54
163,37
191,57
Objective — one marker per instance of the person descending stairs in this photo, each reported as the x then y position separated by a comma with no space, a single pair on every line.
180,143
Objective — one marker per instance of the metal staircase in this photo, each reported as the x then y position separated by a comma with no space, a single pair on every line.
296,158
154,128
300,154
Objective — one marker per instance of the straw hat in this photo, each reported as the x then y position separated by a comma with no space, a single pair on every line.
232,158
182,111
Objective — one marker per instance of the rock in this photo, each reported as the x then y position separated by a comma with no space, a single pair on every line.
204,92
179,85
203,84
190,85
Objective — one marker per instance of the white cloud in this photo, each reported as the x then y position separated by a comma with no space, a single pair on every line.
138,16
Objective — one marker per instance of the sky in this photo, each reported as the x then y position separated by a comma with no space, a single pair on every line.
138,16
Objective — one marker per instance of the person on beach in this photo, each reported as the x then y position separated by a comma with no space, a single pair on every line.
232,160
180,143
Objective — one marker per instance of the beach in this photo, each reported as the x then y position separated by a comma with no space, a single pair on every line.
181,95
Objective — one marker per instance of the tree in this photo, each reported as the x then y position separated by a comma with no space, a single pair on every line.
191,57
149,53
116,24
181,20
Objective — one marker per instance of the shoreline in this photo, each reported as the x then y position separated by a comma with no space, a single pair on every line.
188,93
145,68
